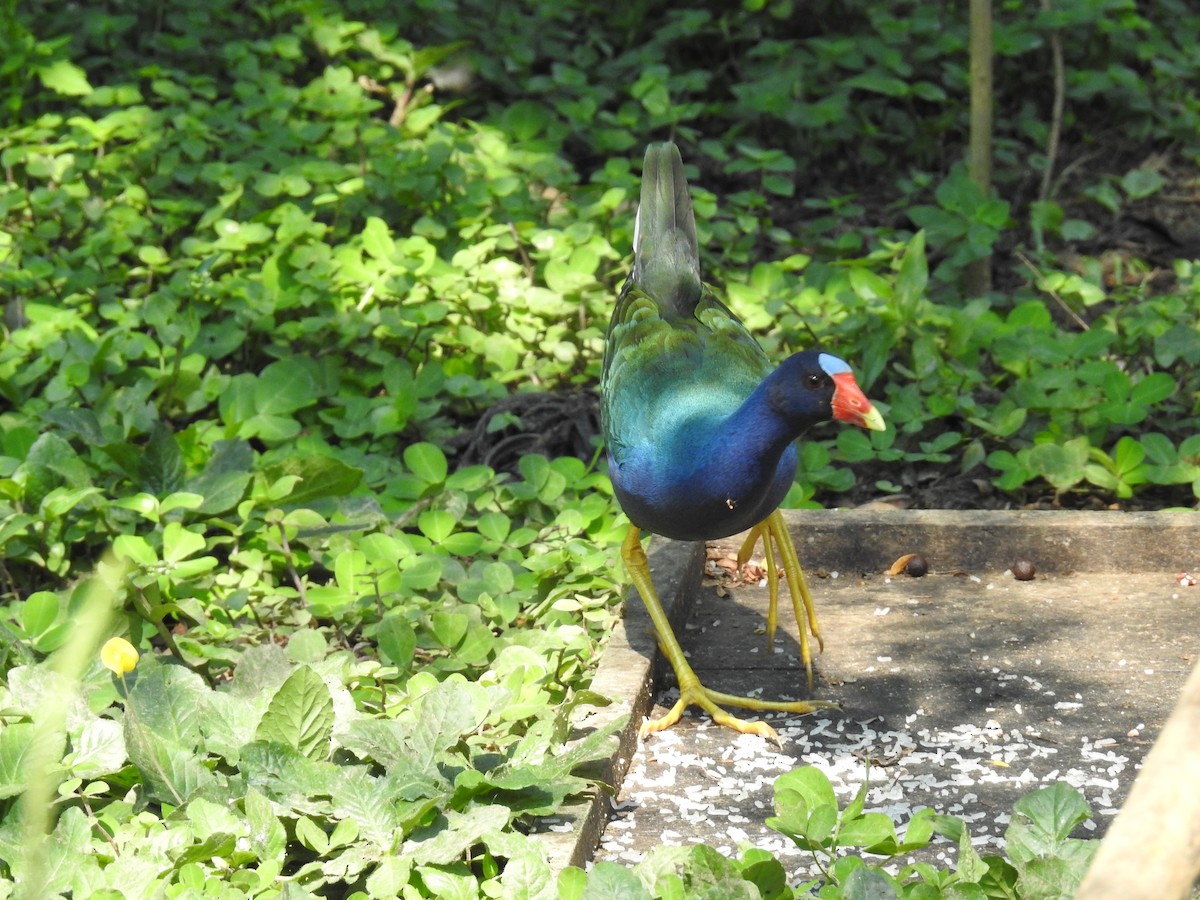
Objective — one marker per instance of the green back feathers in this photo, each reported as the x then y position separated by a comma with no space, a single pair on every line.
667,261
674,350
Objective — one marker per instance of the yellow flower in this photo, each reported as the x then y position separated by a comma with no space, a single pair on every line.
118,655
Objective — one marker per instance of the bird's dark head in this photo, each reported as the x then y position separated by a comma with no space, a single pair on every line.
812,387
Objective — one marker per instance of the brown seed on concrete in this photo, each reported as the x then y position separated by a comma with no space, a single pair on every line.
1023,570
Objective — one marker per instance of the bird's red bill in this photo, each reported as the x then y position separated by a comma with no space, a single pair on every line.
851,405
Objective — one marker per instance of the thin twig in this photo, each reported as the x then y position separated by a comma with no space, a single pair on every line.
290,559
1056,110
1075,317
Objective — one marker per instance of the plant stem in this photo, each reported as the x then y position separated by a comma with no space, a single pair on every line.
979,153
1056,110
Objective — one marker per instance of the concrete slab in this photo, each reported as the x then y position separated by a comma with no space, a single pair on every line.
965,688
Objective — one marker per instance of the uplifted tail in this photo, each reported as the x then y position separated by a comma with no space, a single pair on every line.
666,262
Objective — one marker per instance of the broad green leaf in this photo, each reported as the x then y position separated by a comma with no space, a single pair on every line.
315,478
267,834
222,491
64,77
351,571
1048,816
494,525
300,715
312,836
397,640
436,524
59,858
452,834
427,462
179,542
169,701
811,784
307,645
611,881
446,714
208,818
16,744
912,278
868,830
449,627
219,845
38,612
162,468
389,877
970,868
377,239
527,875
172,773
62,500
462,543
98,749
180,500
1140,183
1154,388
865,883
284,774
362,803
448,883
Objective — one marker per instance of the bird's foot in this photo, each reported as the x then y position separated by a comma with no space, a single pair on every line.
708,700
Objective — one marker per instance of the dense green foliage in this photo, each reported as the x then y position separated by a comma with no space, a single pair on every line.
263,265
1043,860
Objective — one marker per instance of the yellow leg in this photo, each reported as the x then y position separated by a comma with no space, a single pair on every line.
774,529
691,691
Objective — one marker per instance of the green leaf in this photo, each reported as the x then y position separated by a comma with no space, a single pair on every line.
912,278
318,477
162,469
610,881
868,830
866,883
436,524
300,715
811,784
64,77
389,877
971,868
1154,388
136,549
397,641
38,612
98,749
16,745
1050,814
1141,183
171,773
452,834
51,463
169,701
179,542
60,855
377,239
427,462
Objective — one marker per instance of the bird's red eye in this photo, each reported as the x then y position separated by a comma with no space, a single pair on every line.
813,380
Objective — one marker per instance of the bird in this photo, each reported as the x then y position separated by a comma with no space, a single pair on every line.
700,428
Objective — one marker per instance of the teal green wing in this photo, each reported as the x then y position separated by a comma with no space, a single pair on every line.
661,369
674,351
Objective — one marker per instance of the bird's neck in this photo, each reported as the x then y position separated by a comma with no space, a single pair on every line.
740,456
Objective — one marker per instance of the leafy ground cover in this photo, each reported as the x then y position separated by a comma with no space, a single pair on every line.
1043,860
290,290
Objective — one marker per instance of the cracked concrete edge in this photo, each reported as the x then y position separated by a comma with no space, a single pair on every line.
952,540
626,676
